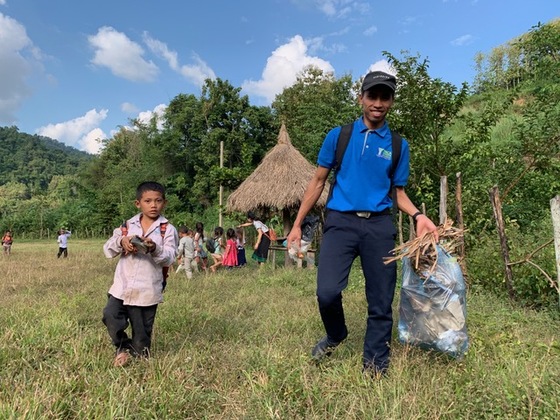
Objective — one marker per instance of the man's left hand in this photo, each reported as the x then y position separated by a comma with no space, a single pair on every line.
425,225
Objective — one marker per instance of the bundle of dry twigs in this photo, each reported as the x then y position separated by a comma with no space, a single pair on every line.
422,250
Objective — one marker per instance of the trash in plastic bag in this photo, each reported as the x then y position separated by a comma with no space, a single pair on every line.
433,310
308,227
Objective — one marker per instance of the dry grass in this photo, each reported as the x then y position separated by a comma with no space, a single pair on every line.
236,346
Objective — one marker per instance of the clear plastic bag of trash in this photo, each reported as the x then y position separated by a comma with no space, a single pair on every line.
433,310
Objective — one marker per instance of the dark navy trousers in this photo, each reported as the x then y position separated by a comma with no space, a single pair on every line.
345,237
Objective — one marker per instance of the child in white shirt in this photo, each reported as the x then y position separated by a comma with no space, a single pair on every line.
62,241
185,252
146,246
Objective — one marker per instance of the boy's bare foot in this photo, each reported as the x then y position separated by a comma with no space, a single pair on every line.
121,359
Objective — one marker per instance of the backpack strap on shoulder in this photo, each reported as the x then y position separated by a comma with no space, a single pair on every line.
341,146
164,270
162,229
124,228
396,145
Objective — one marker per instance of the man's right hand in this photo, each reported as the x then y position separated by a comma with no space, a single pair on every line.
294,237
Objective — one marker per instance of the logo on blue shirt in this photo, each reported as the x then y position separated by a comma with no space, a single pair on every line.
383,154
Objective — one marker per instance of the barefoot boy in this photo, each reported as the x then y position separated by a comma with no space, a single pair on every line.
146,245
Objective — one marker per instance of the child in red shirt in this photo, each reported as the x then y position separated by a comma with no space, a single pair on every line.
230,253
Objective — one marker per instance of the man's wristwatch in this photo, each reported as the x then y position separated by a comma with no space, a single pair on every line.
415,215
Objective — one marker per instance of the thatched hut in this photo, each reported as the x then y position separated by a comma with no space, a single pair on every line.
277,183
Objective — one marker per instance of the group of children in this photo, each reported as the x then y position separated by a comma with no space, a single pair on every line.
193,251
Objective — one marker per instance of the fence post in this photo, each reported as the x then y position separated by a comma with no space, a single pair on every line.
497,207
460,221
555,212
442,199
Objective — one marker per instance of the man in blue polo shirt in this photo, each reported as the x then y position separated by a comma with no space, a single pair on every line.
359,222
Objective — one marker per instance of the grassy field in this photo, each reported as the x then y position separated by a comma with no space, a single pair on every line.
236,345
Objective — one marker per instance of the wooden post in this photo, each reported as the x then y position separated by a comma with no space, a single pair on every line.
221,186
497,207
287,226
460,222
442,199
555,212
272,253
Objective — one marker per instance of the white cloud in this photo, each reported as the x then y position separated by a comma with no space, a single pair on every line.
79,132
383,65
161,49
121,55
2,2
317,44
370,31
14,46
463,40
336,8
129,108
195,73
327,7
282,68
145,117
92,141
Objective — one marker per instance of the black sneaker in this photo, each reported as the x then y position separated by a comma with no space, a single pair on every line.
374,372
324,348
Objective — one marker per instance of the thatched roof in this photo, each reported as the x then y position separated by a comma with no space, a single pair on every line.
279,181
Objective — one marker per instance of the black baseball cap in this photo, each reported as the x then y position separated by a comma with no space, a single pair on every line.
375,78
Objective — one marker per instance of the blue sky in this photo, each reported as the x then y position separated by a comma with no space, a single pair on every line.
76,70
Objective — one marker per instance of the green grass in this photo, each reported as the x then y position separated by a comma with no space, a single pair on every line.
236,345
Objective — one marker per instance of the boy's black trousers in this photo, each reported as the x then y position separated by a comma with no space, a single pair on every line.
117,316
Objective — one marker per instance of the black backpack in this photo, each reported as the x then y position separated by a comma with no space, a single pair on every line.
211,245
342,144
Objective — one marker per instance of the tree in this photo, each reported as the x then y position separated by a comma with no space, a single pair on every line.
313,105
423,108
246,131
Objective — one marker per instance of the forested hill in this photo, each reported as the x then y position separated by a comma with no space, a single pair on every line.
33,160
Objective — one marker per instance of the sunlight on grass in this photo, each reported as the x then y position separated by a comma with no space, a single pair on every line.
237,345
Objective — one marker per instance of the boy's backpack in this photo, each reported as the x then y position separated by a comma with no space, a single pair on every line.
162,230
342,144
211,245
